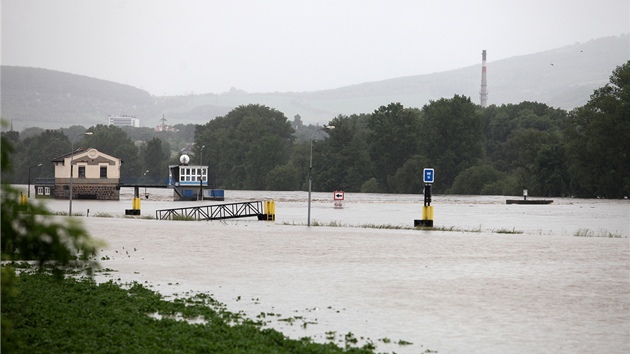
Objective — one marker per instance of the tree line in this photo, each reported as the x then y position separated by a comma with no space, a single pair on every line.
141,149
497,150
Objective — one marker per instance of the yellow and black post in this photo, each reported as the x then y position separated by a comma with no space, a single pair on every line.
427,209
135,202
270,210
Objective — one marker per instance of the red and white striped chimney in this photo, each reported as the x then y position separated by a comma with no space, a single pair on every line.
484,83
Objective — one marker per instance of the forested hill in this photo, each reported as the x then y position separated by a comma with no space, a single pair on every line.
33,97
562,78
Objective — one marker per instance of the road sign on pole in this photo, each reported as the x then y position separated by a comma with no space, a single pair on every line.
428,175
339,195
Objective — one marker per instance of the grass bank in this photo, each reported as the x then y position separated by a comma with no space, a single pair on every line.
69,315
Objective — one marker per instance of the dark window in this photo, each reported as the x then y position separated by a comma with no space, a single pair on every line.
81,171
103,171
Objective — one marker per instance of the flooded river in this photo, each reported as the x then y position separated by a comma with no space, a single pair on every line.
507,279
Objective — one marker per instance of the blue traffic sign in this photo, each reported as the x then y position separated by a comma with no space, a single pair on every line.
428,175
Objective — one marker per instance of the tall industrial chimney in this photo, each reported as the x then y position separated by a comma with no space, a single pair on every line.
484,83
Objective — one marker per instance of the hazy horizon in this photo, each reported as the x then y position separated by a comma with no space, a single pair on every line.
182,47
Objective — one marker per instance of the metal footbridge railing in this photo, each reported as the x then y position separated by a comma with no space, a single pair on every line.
219,211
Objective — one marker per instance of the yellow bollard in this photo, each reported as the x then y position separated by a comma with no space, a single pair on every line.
427,217
429,213
270,210
23,199
135,207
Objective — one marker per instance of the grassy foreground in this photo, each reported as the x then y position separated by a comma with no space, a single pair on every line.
52,315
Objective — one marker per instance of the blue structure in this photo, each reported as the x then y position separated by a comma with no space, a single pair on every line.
190,182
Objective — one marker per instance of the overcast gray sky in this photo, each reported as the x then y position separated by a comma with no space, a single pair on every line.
170,47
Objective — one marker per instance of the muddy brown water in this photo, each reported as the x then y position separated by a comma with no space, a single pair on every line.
474,290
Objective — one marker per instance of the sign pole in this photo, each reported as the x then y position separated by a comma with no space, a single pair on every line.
427,209
338,197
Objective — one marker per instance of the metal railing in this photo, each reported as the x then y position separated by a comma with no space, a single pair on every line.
213,212
147,181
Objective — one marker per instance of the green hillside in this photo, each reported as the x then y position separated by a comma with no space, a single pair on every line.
33,97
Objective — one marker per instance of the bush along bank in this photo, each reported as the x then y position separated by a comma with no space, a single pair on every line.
54,315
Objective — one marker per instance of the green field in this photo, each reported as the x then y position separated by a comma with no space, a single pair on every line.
51,315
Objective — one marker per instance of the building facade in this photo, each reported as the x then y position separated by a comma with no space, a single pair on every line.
124,121
95,175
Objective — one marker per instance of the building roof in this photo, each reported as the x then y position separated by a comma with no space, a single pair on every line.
80,151
63,157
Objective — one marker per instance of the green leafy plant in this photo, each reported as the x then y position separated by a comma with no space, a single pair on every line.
78,315
29,232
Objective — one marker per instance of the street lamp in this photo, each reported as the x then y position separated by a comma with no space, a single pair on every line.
29,179
71,162
145,186
310,170
201,155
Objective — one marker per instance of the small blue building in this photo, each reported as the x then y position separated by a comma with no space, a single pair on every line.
190,182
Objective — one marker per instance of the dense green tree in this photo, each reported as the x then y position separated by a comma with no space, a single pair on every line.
301,154
521,150
343,157
220,147
408,178
44,148
114,141
178,138
74,131
140,133
506,128
186,131
507,185
370,186
270,151
394,137
473,180
549,172
245,145
451,138
31,132
36,149
598,140
299,160
12,136
154,159
283,178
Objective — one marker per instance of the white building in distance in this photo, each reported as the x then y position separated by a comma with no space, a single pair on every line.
124,121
